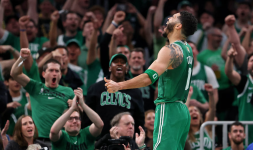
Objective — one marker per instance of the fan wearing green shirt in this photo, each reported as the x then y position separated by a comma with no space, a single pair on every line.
48,100
236,137
73,137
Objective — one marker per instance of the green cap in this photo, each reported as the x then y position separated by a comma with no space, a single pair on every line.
117,56
73,41
183,3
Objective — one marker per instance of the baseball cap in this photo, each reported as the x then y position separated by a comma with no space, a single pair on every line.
74,41
183,3
117,56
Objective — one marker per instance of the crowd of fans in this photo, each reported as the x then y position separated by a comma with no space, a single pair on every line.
54,55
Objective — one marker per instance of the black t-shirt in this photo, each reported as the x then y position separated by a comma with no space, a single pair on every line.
107,105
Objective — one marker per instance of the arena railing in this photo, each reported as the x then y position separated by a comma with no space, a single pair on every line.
224,132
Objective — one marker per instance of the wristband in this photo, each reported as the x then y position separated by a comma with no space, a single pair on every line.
115,24
152,75
22,60
143,146
22,30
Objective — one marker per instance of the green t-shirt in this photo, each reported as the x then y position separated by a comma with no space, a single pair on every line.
33,72
207,141
197,95
14,41
94,73
1,73
19,111
158,44
173,85
229,148
62,39
214,60
82,58
47,104
83,141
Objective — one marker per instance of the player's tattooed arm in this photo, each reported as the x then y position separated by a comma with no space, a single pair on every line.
176,55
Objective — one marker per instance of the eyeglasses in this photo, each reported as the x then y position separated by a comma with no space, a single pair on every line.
71,119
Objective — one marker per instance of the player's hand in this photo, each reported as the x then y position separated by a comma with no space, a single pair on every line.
209,88
118,32
23,21
55,16
13,105
231,52
5,48
5,129
230,20
79,94
114,132
112,86
119,16
140,138
25,52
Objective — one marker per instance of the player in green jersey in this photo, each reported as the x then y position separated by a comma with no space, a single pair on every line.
244,86
174,67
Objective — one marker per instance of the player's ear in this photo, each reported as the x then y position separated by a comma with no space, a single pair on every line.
43,74
178,26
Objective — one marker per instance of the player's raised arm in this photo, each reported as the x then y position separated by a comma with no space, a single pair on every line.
16,70
168,57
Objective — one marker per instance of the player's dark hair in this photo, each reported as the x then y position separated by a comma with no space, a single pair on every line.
87,21
64,17
50,61
189,23
7,74
61,46
138,49
237,123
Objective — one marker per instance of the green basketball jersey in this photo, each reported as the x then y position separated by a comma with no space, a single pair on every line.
200,79
245,107
174,84
207,141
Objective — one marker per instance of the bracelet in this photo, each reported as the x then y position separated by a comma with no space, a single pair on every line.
143,146
22,60
115,24
22,30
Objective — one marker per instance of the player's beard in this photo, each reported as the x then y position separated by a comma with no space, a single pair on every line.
169,29
237,142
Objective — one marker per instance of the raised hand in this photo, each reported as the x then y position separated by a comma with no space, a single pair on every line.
79,94
13,105
139,139
152,9
118,32
74,103
190,91
209,88
232,53
58,56
25,52
5,48
55,16
5,129
112,11
23,21
230,20
112,86
119,16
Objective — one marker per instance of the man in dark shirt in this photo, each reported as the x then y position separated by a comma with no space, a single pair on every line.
107,105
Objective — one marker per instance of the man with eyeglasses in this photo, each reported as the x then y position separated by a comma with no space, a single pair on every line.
73,137
236,137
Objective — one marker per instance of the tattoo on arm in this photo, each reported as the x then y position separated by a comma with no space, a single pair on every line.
176,55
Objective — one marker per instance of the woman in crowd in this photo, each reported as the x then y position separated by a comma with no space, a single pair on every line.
149,125
25,134
196,121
